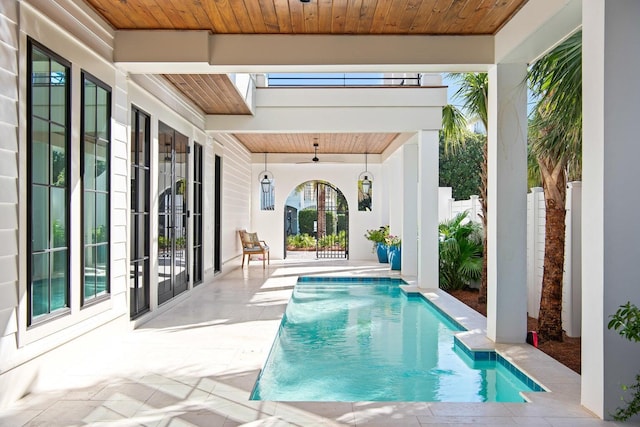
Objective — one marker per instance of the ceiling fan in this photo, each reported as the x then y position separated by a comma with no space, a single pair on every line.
315,158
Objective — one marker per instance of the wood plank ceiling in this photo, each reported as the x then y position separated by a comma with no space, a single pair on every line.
452,17
216,94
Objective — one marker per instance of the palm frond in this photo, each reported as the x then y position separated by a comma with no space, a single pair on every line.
454,128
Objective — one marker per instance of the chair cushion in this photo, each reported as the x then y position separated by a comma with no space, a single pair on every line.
250,241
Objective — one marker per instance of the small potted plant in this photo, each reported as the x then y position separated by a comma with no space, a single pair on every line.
378,237
394,244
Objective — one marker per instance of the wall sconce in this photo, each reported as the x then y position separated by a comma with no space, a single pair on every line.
366,177
267,177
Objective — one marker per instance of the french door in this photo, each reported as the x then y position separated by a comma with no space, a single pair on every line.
139,283
173,272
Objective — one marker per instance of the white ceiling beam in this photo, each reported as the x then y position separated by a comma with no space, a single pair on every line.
329,120
537,28
153,51
338,110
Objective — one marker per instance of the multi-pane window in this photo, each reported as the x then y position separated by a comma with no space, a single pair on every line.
198,179
140,212
48,117
95,166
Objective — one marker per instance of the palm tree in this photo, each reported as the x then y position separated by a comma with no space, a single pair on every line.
474,93
555,140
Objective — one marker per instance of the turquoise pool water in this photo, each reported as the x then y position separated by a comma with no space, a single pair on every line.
344,340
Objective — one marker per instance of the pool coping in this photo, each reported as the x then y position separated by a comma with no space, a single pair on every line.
558,381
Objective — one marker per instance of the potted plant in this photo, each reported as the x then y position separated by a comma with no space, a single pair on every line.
378,237
394,244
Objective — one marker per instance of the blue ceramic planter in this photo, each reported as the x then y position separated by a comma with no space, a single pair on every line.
381,251
395,257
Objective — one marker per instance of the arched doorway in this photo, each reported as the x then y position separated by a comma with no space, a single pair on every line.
316,222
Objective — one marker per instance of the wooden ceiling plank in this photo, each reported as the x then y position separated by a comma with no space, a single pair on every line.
242,17
208,87
367,10
324,16
406,20
255,14
338,16
218,24
297,16
311,18
181,15
352,20
181,85
392,20
116,14
226,12
464,15
500,14
422,16
164,11
283,15
230,92
438,11
269,16
451,15
156,13
201,16
379,16
483,7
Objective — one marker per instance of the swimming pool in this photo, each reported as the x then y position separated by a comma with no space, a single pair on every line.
365,340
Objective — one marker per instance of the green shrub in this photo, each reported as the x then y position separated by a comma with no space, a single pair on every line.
460,248
626,320
301,241
306,217
338,241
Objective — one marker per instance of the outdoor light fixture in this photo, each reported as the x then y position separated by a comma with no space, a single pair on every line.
267,177
366,177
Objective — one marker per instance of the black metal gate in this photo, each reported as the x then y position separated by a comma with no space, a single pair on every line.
332,223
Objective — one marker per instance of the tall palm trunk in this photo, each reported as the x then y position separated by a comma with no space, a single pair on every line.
321,230
554,183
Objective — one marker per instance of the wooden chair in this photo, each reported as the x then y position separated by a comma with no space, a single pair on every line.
252,245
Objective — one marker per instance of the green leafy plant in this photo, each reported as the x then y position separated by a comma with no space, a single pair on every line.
301,241
626,321
338,241
460,248
377,235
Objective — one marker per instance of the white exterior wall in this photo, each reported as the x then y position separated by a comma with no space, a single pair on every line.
270,225
236,196
9,250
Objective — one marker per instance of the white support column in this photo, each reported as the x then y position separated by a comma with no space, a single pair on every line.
507,204
428,209
535,245
610,250
410,210
572,280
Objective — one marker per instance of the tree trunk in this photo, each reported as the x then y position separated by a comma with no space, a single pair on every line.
321,229
554,182
482,294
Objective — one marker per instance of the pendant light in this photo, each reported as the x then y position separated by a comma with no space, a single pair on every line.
267,177
366,177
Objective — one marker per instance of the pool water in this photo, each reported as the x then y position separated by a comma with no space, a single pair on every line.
369,341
